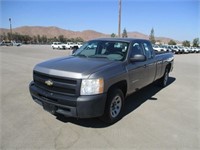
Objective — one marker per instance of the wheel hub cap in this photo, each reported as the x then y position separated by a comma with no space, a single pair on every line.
115,106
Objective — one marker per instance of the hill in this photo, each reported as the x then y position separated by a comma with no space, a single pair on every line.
51,32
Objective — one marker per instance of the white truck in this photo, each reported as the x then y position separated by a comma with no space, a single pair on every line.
69,45
10,43
58,45
79,44
157,48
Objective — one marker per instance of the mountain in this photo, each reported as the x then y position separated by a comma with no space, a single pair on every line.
51,32
144,36
137,35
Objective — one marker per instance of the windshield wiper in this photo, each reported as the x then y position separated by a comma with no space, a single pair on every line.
80,55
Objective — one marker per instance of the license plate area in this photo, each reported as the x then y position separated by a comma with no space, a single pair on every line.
49,107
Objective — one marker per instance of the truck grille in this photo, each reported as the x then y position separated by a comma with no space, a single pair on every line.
61,85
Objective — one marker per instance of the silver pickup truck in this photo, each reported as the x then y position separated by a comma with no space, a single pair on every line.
96,79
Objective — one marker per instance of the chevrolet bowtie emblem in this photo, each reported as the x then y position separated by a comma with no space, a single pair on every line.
49,82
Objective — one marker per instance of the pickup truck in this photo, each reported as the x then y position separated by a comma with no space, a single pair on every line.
10,43
58,45
69,45
97,78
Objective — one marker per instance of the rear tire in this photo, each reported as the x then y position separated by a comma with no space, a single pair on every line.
164,80
114,106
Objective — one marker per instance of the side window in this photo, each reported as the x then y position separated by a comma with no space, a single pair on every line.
148,50
136,49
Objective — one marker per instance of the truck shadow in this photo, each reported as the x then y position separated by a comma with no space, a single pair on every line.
131,104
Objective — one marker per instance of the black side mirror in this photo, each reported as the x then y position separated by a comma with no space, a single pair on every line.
138,58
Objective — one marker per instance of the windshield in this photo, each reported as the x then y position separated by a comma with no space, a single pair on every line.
156,46
112,50
164,46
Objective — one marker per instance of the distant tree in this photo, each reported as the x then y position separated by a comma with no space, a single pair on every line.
44,39
26,39
186,43
152,37
61,38
39,39
78,39
124,34
196,42
3,36
113,35
72,40
172,42
9,36
14,36
34,40
55,39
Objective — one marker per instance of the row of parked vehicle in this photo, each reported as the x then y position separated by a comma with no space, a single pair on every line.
176,49
68,45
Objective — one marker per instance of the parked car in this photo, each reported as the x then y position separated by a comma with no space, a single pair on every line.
176,49
10,43
58,45
167,48
97,78
196,50
14,43
184,50
157,48
192,50
79,44
172,49
69,45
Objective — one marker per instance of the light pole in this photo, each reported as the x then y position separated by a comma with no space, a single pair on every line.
119,23
10,29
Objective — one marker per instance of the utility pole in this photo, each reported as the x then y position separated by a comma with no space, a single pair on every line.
10,29
119,23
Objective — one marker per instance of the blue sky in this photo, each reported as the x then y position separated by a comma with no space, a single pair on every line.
178,19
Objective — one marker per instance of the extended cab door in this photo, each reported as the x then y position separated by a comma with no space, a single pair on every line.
137,71
151,61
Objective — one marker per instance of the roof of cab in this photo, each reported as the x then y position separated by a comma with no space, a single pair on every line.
120,39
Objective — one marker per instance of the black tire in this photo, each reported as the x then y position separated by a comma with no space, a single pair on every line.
164,80
53,47
114,106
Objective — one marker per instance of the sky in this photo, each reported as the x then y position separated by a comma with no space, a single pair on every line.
177,19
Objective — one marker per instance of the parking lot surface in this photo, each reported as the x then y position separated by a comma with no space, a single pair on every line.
153,118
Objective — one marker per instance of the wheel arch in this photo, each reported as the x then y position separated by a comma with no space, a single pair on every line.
169,67
122,85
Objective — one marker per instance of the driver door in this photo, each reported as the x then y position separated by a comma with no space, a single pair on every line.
137,70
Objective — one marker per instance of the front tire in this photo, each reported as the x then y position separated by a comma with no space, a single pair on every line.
114,106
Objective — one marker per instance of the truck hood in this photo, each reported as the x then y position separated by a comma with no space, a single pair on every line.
74,67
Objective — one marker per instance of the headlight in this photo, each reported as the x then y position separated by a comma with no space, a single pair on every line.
92,86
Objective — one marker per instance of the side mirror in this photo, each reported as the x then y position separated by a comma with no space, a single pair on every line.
138,58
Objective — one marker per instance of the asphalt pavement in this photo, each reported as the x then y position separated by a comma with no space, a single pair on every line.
153,119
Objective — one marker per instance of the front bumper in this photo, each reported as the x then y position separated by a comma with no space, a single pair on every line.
79,107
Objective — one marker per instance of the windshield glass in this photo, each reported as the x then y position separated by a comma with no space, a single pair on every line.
112,50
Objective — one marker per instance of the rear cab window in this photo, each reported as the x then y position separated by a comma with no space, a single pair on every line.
148,50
